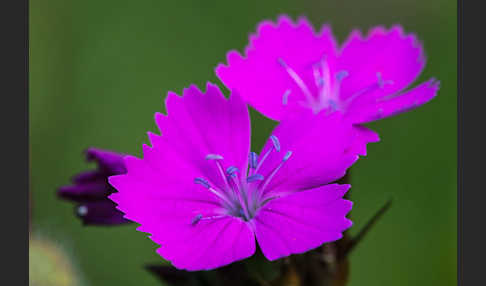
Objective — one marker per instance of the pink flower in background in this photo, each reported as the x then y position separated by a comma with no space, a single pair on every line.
287,67
204,197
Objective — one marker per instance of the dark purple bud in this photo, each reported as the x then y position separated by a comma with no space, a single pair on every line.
101,212
108,161
86,191
90,189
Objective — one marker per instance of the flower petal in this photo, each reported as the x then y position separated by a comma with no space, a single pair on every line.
302,221
89,176
397,56
145,182
323,148
158,192
86,191
207,245
200,123
102,212
93,185
390,106
167,206
363,136
259,76
108,161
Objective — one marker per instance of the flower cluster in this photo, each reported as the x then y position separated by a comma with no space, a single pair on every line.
204,197
207,199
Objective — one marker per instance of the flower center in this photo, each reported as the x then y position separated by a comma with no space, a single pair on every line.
242,194
327,85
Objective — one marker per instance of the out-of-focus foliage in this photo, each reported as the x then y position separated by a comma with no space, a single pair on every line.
50,265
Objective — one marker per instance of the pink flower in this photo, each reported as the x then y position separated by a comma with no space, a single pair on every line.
204,197
287,67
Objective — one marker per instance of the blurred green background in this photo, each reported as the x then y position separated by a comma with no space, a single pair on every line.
99,70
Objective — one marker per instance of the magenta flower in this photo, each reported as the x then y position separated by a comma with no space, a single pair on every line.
90,189
203,196
288,66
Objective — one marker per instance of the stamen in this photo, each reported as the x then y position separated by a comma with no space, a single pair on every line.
268,199
253,160
202,182
341,75
333,105
270,177
282,62
231,170
276,142
285,97
241,212
297,80
255,177
380,83
332,101
214,157
217,158
276,146
319,81
196,219
380,79
238,197
287,155
325,91
200,217
263,159
237,190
